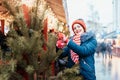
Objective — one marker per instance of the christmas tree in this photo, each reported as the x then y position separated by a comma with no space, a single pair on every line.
32,48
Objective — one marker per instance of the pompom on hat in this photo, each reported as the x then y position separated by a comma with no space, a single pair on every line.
81,22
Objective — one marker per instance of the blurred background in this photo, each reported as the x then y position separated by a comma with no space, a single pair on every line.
102,17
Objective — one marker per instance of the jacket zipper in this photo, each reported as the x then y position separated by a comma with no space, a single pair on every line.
87,64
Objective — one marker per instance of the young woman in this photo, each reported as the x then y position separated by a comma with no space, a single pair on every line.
80,49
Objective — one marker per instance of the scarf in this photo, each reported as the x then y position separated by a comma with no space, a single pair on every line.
75,56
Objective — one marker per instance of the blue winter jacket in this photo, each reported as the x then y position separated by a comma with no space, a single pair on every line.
86,52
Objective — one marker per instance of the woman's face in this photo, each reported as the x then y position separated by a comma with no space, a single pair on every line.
78,29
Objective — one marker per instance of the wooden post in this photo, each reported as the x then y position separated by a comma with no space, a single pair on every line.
2,23
45,33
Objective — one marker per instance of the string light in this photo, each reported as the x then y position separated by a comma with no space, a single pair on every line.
29,3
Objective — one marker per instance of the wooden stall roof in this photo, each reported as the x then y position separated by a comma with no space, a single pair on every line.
58,9
55,5
2,9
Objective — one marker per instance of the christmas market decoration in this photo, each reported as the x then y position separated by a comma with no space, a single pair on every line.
31,51
70,74
27,59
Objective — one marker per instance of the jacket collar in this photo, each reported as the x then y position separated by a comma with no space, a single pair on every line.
87,35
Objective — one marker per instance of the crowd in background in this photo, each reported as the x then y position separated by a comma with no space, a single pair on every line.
105,48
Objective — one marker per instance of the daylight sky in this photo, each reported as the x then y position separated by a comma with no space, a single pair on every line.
104,8
79,9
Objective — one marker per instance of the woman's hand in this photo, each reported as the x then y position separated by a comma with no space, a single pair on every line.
62,40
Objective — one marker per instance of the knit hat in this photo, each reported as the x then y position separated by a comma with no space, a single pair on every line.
81,22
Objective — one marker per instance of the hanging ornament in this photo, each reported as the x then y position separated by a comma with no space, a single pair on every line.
26,14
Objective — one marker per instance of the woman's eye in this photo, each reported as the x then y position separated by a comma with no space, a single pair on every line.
78,26
74,27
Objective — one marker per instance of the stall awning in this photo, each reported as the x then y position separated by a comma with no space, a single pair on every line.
55,5
58,9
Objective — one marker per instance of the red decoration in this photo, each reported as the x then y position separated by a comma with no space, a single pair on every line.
24,74
53,68
60,36
45,29
26,14
45,33
2,23
44,47
60,44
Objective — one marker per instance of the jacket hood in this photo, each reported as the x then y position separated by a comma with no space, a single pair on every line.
87,35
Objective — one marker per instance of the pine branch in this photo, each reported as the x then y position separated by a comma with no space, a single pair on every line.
26,43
